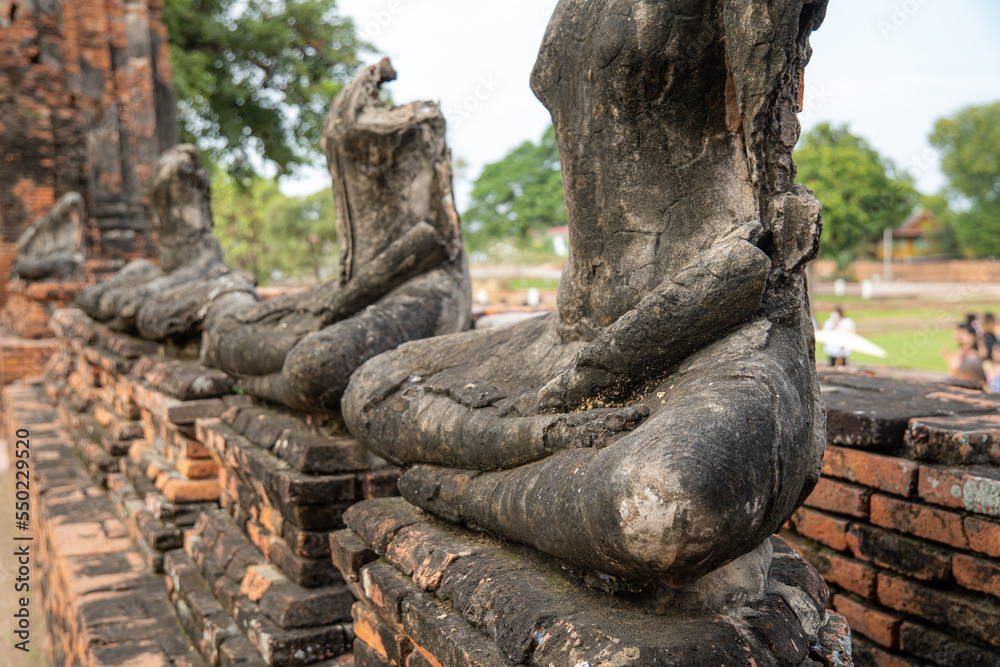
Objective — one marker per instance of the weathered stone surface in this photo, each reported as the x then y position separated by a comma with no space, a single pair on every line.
907,556
244,500
282,485
918,639
975,489
961,440
403,273
188,251
52,247
682,334
465,599
834,648
317,453
184,380
201,616
220,549
964,616
349,553
381,637
874,413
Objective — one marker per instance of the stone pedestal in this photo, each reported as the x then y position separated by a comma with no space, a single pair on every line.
433,594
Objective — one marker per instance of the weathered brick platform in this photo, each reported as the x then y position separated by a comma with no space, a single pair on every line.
432,594
26,339
905,523
29,306
102,606
285,485
252,582
22,358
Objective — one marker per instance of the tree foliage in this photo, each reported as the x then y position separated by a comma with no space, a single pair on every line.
970,158
274,236
862,193
255,77
519,194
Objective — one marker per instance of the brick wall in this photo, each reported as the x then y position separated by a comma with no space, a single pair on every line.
85,105
904,522
944,271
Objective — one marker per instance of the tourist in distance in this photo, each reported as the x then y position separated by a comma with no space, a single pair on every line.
966,364
989,337
837,322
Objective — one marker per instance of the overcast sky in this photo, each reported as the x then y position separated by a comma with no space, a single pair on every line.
888,68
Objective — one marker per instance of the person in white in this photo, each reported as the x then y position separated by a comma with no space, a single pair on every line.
837,322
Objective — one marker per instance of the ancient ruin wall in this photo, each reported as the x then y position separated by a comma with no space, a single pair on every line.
86,105
904,525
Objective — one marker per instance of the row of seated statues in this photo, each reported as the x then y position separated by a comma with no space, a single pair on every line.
665,419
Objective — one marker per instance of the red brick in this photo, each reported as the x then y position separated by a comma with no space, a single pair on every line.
920,520
849,574
886,473
957,612
976,491
983,535
821,527
197,468
940,486
191,491
977,574
385,588
421,554
876,624
378,635
906,555
871,655
941,649
840,497
349,553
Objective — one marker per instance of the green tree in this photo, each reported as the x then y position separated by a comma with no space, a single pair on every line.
271,235
301,234
517,195
970,158
862,193
945,239
254,78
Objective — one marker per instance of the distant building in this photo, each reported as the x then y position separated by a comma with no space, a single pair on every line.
914,238
560,239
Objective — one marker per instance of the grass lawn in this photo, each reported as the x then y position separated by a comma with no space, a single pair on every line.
912,331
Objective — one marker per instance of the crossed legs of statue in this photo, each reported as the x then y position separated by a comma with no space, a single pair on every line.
685,474
312,369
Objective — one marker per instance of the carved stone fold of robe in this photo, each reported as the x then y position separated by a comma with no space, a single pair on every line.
188,252
51,248
403,274
666,419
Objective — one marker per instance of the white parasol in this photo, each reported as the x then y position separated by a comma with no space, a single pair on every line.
850,341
